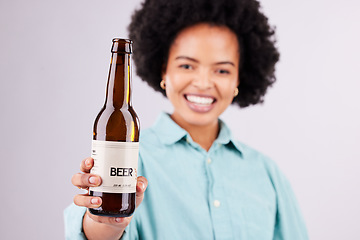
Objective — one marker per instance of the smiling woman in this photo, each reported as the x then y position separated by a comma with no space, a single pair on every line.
204,184
201,76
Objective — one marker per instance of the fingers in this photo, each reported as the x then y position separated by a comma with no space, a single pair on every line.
141,186
86,165
85,200
85,180
94,202
114,221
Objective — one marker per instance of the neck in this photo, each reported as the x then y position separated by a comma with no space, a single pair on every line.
118,88
202,135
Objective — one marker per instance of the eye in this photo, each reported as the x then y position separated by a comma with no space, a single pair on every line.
186,66
223,71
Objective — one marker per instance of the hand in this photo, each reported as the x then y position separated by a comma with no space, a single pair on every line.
84,180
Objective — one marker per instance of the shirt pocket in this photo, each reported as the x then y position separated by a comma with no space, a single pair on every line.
259,216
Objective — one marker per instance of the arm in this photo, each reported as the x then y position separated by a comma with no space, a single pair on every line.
289,220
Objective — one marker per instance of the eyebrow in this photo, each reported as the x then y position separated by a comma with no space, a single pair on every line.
194,60
187,58
225,62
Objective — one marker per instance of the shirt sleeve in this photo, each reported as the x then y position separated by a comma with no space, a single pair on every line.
128,233
289,220
73,216
73,225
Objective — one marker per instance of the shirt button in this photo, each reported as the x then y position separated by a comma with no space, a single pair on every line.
209,160
217,203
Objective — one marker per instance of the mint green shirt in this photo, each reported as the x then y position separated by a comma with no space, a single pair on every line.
229,192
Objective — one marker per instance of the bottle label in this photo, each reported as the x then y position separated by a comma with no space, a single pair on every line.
116,163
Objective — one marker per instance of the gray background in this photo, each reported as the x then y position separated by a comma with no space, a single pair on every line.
54,61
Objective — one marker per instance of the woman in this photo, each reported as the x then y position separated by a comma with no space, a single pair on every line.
203,184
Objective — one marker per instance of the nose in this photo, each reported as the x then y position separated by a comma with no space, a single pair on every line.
203,80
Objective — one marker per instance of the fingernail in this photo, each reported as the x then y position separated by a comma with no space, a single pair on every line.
94,201
117,220
142,185
92,180
87,163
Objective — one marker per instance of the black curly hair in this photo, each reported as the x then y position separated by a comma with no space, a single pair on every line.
156,24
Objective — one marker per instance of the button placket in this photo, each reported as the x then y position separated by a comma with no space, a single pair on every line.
217,197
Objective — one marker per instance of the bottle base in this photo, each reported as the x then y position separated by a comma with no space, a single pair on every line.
114,204
109,214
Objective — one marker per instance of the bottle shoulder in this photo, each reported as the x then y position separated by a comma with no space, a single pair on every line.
124,114
116,125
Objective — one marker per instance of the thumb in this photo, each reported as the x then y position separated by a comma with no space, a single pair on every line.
141,186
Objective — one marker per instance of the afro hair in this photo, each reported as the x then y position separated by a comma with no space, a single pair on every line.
156,24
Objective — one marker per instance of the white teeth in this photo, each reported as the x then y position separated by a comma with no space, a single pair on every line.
200,100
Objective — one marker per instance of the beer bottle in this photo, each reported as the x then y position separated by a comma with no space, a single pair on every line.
115,144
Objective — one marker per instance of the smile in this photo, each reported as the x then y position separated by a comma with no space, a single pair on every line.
201,100
200,103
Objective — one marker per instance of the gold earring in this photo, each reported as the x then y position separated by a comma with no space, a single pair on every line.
162,84
236,92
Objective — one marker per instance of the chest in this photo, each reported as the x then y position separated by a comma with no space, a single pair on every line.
195,195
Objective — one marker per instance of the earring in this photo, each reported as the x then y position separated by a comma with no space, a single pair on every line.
236,92
162,84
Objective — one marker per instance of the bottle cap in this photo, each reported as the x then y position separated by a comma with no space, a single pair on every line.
121,46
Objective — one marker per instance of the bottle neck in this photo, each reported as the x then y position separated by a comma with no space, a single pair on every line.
118,92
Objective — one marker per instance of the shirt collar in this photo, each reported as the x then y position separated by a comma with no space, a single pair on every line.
225,137
169,132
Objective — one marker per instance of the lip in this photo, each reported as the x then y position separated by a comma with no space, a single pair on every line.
200,108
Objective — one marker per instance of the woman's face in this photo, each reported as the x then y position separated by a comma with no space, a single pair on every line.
202,73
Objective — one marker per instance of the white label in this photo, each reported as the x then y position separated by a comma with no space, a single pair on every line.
116,163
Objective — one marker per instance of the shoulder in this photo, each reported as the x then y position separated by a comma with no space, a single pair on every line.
149,138
255,156
247,153
251,154
276,176
152,148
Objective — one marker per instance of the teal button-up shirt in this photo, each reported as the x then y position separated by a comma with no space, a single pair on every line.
229,192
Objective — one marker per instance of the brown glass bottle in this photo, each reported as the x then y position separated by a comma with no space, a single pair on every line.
117,123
